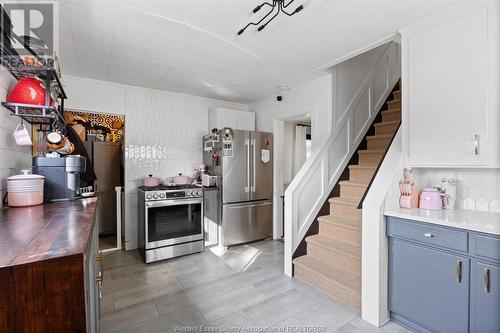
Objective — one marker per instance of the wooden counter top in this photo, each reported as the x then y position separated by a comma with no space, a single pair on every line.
31,234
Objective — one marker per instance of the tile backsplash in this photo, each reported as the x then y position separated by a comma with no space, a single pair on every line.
477,189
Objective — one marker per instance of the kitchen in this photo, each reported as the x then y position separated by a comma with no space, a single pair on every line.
167,209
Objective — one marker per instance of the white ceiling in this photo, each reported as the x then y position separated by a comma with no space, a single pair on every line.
191,46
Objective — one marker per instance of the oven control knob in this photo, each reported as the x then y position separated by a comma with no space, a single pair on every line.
155,195
149,196
199,193
162,195
188,194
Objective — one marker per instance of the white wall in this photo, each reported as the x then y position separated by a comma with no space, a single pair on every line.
325,98
374,276
313,97
164,128
13,158
349,77
288,143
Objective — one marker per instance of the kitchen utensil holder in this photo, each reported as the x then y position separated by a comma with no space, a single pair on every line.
409,199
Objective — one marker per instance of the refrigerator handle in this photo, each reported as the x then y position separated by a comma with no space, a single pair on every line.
252,187
247,152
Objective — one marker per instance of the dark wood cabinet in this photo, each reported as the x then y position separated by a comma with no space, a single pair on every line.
48,281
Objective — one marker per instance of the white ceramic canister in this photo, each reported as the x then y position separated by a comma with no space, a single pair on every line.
25,190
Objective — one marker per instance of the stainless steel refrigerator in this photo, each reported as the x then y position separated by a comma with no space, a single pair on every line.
105,157
244,166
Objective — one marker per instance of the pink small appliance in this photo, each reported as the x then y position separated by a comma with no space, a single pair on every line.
431,198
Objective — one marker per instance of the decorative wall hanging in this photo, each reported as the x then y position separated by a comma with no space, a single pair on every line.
90,125
277,6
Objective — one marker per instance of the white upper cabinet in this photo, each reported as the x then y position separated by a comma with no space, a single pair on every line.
448,82
235,119
245,120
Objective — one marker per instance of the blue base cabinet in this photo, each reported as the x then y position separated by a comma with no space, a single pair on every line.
485,297
443,279
427,287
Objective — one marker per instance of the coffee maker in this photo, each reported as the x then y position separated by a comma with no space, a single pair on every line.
62,176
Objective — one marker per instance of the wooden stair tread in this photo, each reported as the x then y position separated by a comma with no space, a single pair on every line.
390,111
356,183
394,101
362,167
335,245
371,151
387,123
379,136
345,201
354,224
329,272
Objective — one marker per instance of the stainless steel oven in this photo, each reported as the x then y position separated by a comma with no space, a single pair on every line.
171,222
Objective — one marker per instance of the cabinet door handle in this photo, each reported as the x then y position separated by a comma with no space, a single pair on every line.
486,280
100,277
458,271
476,144
428,234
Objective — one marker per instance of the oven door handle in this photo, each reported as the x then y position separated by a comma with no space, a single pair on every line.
153,204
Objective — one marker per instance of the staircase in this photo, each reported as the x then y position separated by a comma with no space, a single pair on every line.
333,259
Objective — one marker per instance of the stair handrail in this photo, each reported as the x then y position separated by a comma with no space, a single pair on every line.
323,169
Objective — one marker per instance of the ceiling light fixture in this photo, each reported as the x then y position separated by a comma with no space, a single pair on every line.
280,5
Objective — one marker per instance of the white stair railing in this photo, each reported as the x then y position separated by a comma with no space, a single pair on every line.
315,180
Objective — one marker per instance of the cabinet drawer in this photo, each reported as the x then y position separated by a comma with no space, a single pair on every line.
446,238
486,246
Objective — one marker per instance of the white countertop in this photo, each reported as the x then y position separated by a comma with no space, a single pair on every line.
457,218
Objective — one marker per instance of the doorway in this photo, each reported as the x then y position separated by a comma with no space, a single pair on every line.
103,136
293,144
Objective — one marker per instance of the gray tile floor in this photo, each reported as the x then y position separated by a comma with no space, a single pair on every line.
245,287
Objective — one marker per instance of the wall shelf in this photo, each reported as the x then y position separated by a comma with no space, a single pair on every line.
46,73
34,114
